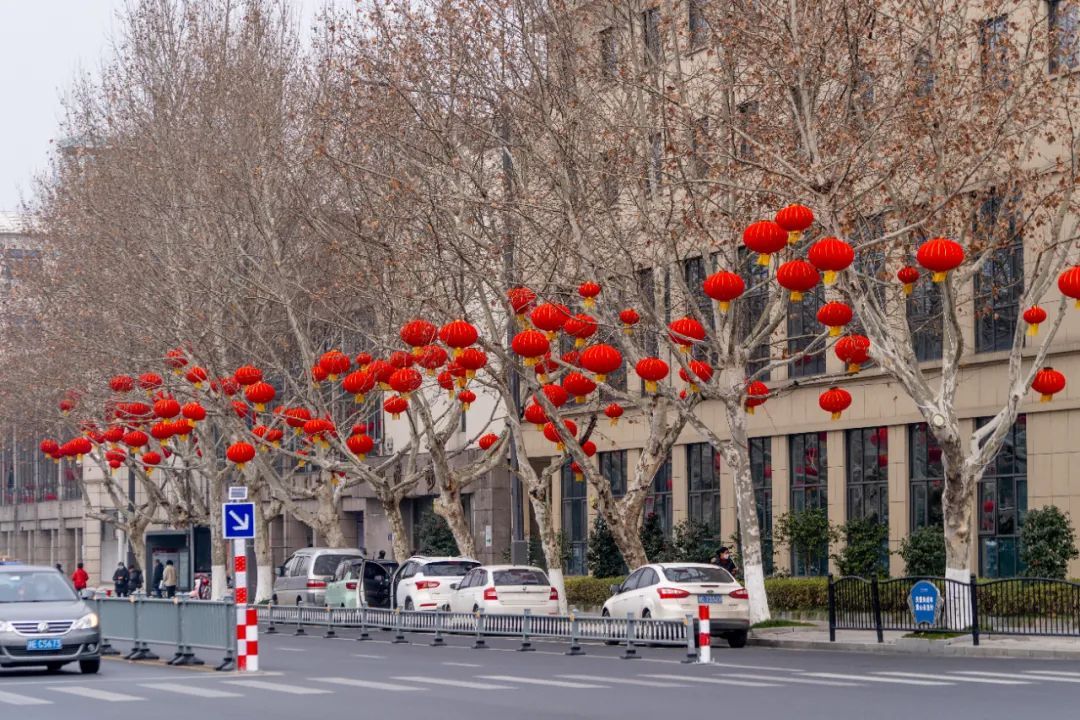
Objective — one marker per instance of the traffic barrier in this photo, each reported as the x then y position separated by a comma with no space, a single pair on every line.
183,625
704,635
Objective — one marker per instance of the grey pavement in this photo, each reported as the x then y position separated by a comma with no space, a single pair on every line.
314,677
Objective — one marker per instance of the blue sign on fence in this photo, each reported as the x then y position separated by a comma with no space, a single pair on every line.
925,603
239,520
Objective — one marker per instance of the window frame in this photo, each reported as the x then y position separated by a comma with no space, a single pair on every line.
1058,41
921,439
703,462
857,460
802,491
1012,482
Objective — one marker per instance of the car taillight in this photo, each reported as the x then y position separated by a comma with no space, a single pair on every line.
739,594
490,594
672,593
350,586
316,584
554,594
427,584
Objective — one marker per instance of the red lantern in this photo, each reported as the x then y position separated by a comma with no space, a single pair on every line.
259,394
765,238
363,360
580,327
601,360
549,317
940,255
240,453
117,455
798,276
162,431
1048,382
227,386
431,358
795,218
334,363
122,383
589,448
395,406
853,350
723,287
150,381
458,335
114,434
418,333
400,359
546,365
446,381
458,372
556,395
241,409
167,408
757,393
835,401
357,383
151,458
552,434
535,414
405,380
48,447
1033,316
614,411
578,385
472,359
530,345
521,299
66,406
381,371
834,315
274,435
686,331
588,290
652,370
135,438
360,445
830,255
703,371
486,442
988,506
1069,283
176,359
909,276
196,376
466,398
296,418
247,375
575,468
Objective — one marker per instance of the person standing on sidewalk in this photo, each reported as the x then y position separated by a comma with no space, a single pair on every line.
168,579
79,578
120,580
135,580
156,578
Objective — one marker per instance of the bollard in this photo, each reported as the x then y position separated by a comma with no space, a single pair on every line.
704,635
399,636
270,629
631,652
526,626
691,651
364,635
300,620
575,646
438,641
330,624
479,644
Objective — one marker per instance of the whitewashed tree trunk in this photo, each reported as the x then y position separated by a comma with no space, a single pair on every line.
219,555
448,506
264,561
399,534
549,540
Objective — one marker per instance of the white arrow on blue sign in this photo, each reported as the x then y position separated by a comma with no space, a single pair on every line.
239,520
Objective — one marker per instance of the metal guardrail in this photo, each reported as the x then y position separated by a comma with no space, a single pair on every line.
575,629
185,625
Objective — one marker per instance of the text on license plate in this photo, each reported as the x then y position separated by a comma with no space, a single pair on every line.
710,599
44,644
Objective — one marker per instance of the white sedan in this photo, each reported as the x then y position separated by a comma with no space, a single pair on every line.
505,590
671,591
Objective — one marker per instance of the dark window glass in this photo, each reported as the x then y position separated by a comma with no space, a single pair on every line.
703,482
326,564
761,474
700,146
868,474
1003,505
450,568
650,33
747,116
750,308
994,50
658,501
646,281
925,320
575,518
1063,19
654,162
925,77
999,284
802,328
927,477
519,576
609,53
809,491
697,23
613,467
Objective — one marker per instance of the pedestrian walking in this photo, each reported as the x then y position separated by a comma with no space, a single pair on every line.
135,579
382,555
79,578
156,584
120,580
168,579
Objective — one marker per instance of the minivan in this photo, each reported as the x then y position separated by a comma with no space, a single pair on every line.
302,579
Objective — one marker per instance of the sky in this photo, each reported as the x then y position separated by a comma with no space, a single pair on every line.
44,44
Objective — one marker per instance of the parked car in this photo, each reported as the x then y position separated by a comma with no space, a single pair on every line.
504,590
302,579
423,583
361,583
670,591
43,621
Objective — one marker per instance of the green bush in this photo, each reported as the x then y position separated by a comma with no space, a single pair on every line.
865,550
691,541
924,552
807,532
1047,543
433,536
604,558
797,594
584,592
652,538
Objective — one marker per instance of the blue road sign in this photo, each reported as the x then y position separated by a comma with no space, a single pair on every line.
925,603
239,520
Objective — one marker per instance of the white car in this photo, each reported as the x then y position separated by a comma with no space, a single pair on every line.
505,590
670,591
423,583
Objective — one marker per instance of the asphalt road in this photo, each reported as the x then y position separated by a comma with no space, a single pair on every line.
313,677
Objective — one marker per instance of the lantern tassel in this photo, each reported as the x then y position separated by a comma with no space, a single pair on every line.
723,305
465,407
749,409
1033,329
834,330
836,416
578,476
579,399
589,302
1046,398
358,398
600,377
796,296
853,367
763,259
830,277
939,276
793,236
579,342
650,386
908,288
628,330
614,422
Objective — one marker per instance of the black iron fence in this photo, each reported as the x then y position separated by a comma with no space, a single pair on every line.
1014,606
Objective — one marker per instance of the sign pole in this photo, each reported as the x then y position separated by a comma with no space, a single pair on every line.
704,635
247,628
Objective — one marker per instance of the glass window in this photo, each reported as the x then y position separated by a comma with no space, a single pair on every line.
1063,17
802,328
697,23
575,518
519,576
631,582
659,499
925,320
809,490
925,77
692,574
609,53
1003,505
613,467
654,162
700,146
750,308
999,284
927,477
746,119
761,474
868,474
650,35
994,50
448,568
648,578
703,480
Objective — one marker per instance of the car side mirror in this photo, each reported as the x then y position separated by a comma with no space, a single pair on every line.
453,586
615,589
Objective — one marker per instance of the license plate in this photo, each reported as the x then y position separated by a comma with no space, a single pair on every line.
44,644
710,599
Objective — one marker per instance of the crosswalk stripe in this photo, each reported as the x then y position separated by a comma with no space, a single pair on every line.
14,699
190,690
538,681
1041,678
712,680
796,680
468,665
928,676
867,678
740,666
277,687
95,694
369,684
624,681
453,683
1052,672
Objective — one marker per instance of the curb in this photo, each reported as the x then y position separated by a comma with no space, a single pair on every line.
930,648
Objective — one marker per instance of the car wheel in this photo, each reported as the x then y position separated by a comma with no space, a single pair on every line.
90,667
736,639
53,667
475,609
645,614
409,605
273,600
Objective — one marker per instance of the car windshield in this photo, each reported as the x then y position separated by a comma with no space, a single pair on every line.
45,586
454,568
520,576
326,564
698,575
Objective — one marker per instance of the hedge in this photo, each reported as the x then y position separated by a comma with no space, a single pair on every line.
586,592
785,594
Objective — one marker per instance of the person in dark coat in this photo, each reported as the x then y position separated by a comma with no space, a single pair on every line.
120,580
723,559
135,580
155,578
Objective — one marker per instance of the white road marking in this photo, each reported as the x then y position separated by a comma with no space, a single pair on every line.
277,687
370,657
710,680
95,694
468,665
867,678
1010,676
452,683
190,690
739,666
928,676
369,684
13,699
287,649
624,681
786,679
1052,672
538,681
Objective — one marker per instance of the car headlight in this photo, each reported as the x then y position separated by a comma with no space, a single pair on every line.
86,622
5,627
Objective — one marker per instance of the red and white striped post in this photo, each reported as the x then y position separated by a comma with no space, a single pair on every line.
247,621
704,634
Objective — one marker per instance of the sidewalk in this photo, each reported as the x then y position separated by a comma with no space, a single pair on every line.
1007,646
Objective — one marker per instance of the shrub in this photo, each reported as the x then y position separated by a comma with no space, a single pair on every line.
806,532
604,558
691,541
433,536
924,552
865,551
1047,543
797,594
652,537
586,592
